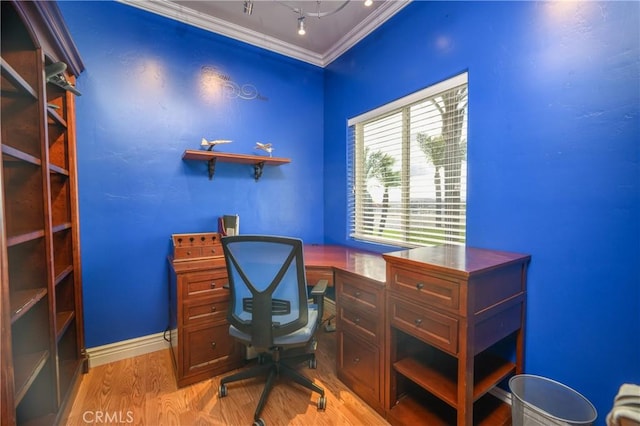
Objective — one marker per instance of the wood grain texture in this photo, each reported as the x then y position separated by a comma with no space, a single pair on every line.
142,391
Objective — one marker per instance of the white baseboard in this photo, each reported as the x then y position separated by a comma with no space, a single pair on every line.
117,351
501,394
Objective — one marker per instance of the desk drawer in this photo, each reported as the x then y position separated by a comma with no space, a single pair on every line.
209,348
432,327
197,252
358,293
363,325
358,365
202,284
316,273
208,310
434,290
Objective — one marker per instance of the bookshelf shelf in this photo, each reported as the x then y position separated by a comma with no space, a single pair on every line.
211,157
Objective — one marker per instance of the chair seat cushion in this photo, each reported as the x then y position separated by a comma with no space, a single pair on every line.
300,336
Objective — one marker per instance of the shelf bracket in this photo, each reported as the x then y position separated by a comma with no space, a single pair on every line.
257,170
212,167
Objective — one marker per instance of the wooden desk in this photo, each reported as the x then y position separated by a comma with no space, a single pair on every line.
446,307
360,278
412,327
331,257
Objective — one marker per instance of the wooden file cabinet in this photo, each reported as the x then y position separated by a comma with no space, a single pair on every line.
201,346
360,336
446,307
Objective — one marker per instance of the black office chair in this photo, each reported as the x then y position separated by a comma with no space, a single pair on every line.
270,310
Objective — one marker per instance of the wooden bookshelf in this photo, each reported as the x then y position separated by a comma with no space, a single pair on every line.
41,318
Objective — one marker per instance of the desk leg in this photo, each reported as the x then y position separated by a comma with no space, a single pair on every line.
465,375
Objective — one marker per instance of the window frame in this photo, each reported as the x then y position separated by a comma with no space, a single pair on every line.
356,175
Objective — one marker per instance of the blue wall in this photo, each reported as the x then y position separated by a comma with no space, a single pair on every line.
143,103
553,154
553,157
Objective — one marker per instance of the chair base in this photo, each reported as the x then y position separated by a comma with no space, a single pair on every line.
273,367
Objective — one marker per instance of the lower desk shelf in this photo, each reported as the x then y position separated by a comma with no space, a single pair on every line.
426,386
436,372
420,407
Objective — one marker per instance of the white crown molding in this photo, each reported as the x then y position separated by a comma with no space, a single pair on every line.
188,16
366,27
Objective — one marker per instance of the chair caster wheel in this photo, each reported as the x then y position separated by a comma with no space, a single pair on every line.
322,403
222,391
259,422
313,363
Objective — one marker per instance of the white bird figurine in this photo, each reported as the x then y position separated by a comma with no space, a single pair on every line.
265,147
213,143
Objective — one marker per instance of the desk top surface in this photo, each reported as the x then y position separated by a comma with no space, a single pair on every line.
459,260
365,263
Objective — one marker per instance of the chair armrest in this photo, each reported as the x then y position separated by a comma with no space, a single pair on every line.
317,292
319,289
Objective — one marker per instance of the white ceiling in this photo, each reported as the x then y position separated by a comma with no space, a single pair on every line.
273,24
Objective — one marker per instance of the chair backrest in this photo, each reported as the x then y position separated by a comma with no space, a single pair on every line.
268,286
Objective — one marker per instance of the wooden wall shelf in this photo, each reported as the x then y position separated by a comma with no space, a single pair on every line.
211,157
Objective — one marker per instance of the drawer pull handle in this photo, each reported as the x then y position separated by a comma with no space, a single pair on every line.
188,253
213,309
420,286
418,322
356,360
213,345
213,284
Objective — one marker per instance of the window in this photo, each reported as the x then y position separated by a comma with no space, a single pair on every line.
408,168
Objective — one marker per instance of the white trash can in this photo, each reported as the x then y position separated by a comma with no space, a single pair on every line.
538,401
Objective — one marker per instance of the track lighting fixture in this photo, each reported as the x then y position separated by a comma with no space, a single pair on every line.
248,7
318,13
301,29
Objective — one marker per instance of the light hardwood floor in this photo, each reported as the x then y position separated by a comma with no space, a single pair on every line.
142,391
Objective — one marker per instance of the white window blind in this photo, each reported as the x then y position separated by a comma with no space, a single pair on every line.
408,168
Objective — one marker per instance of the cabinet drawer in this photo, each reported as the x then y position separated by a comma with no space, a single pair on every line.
363,325
208,310
202,284
358,293
209,348
427,288
432,327
358,365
